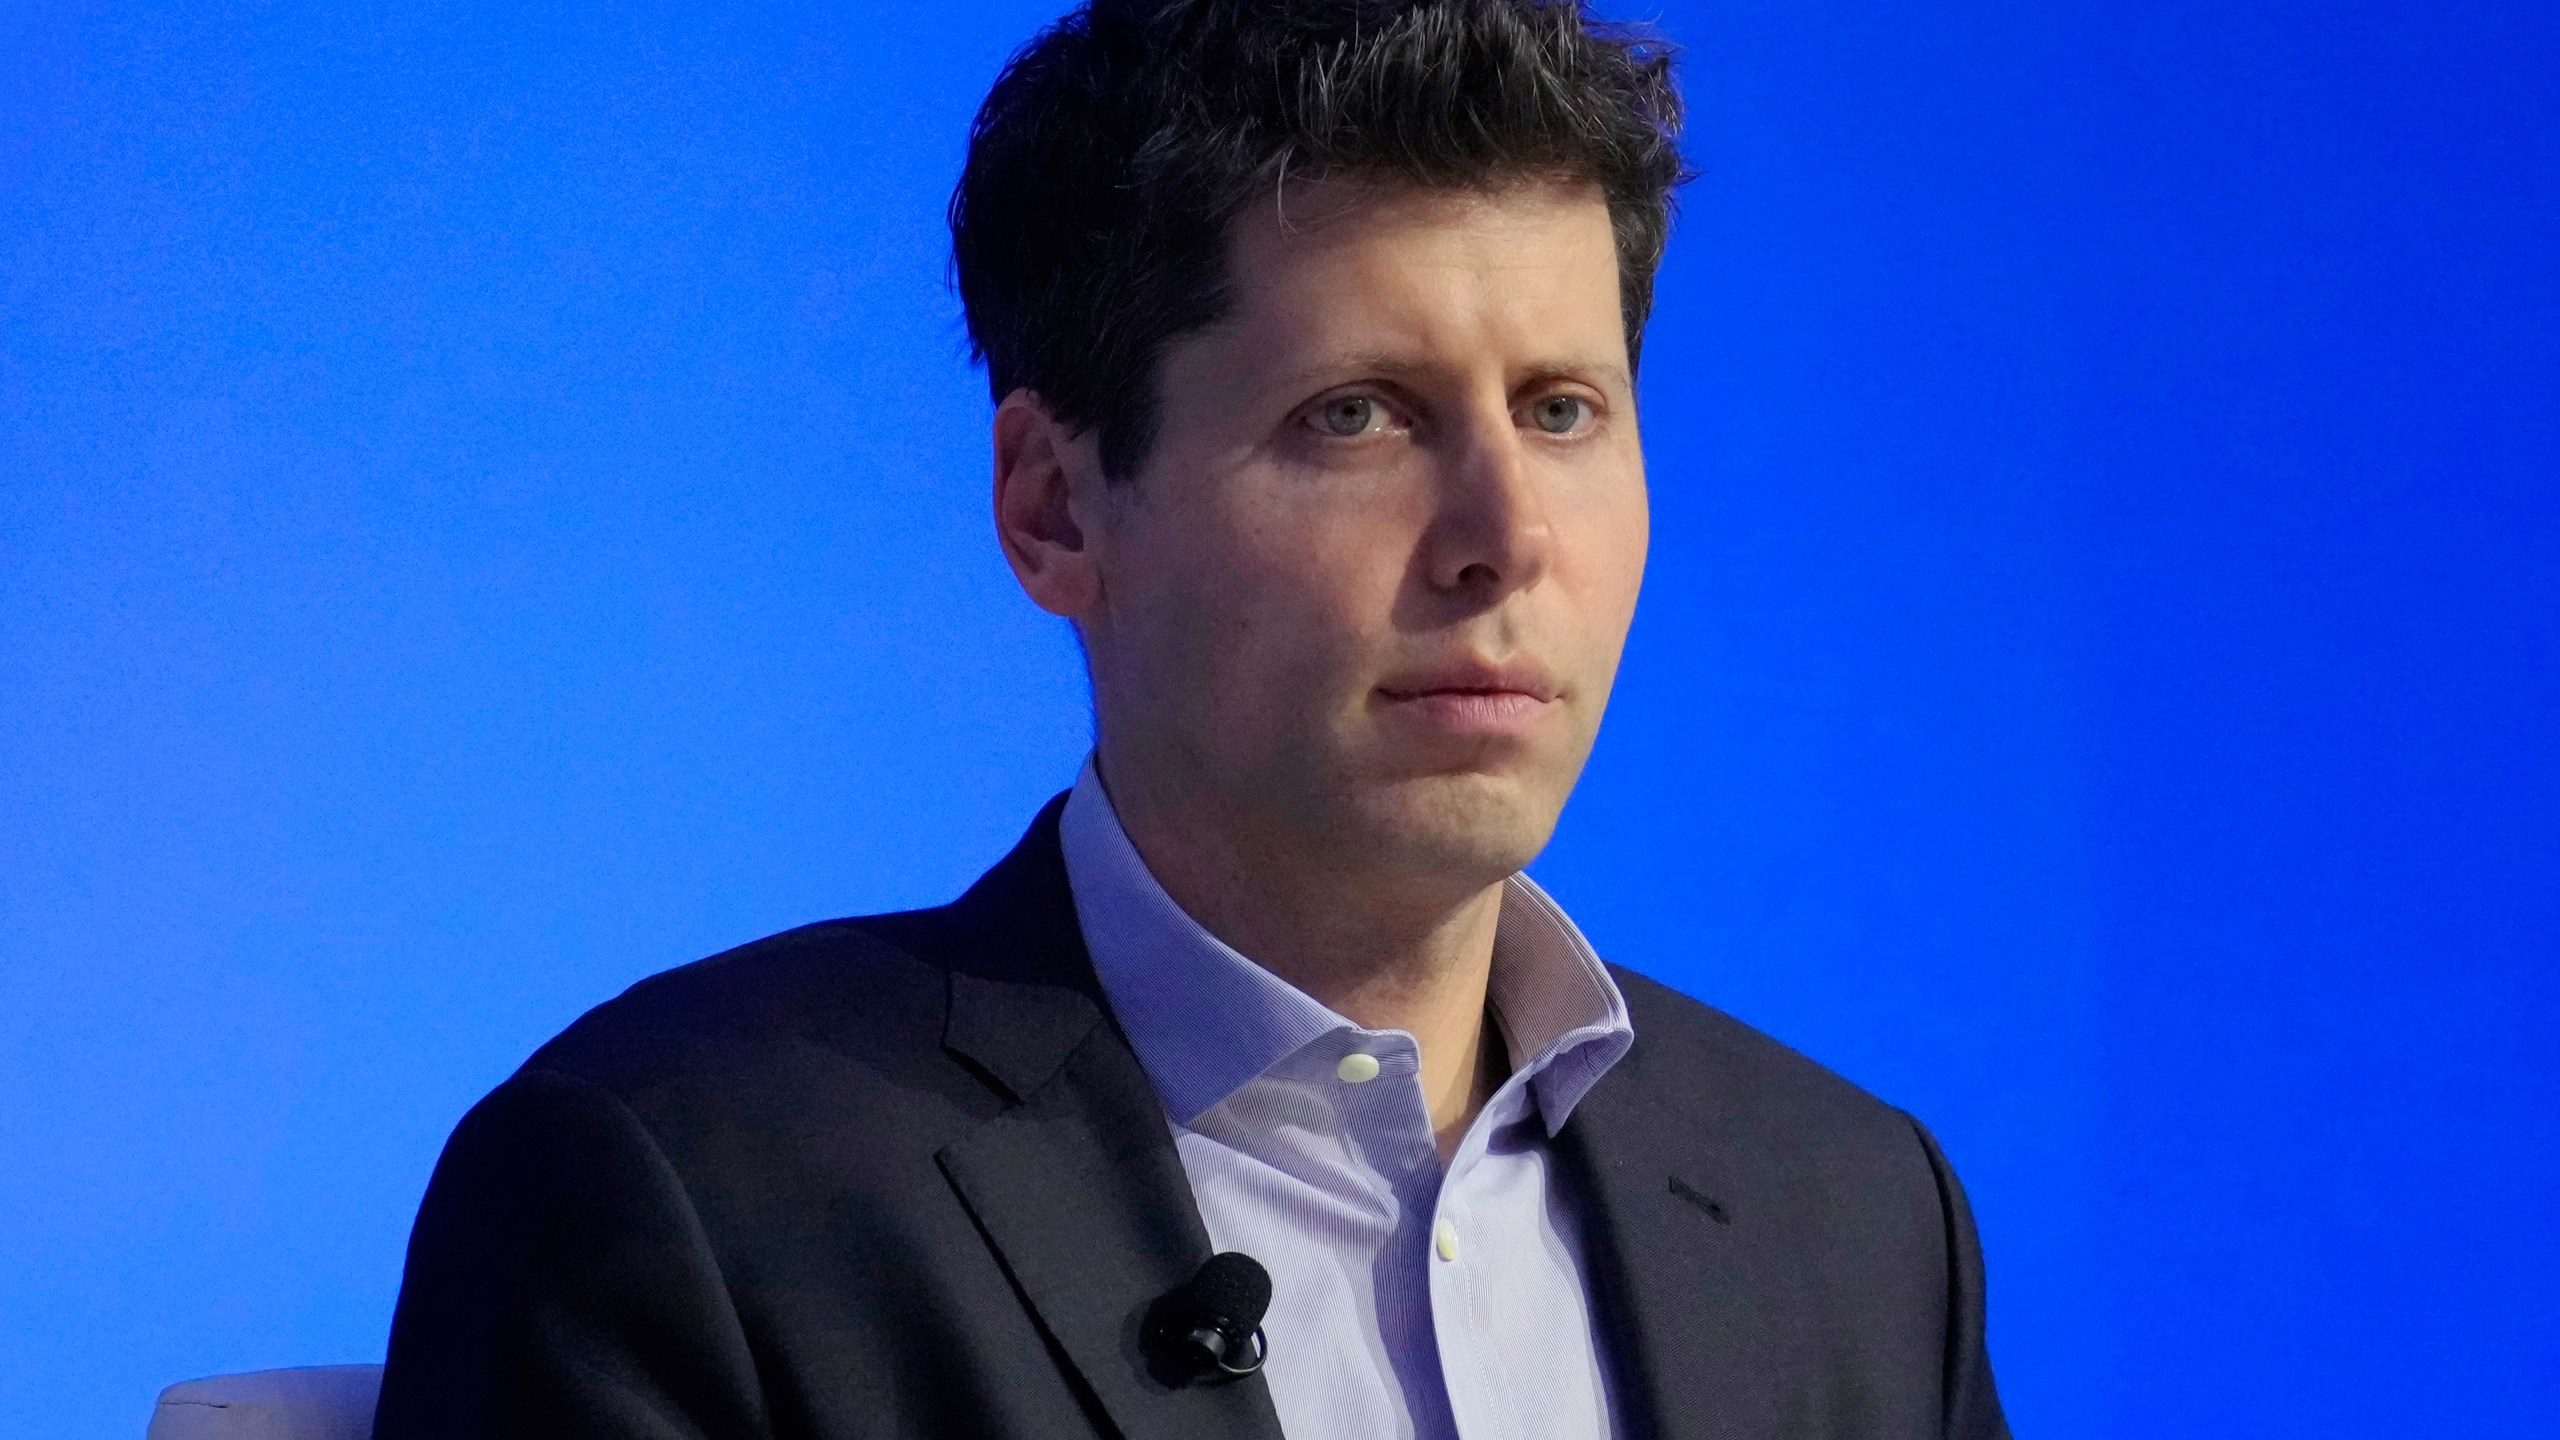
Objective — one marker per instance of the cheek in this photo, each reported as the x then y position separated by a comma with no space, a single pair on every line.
1254,609
1309,600
1633,538
1606,563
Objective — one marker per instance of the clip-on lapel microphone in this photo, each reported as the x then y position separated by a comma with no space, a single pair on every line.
1210,1329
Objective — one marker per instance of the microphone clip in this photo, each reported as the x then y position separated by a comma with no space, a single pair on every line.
1209,1331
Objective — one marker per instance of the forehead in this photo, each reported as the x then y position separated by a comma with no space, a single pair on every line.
1530,262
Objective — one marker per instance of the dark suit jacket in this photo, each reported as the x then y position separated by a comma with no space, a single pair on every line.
902,1176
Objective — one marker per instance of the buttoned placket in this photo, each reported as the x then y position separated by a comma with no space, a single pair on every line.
1377,1093
1478,1401
1386,1119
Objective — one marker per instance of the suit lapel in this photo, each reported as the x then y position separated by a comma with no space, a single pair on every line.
1672,1274
1077,1186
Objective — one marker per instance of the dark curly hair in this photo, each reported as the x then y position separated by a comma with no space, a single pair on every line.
1088,229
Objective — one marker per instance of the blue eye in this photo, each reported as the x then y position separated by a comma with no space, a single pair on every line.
1347,416
1560,414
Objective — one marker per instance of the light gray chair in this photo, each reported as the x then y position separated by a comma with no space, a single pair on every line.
317,1402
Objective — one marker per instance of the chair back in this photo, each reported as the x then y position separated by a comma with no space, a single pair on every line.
317,1402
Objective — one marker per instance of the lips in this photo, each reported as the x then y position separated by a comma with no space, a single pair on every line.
1524,679
1473,697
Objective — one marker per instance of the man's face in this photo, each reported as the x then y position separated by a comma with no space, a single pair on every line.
1367,595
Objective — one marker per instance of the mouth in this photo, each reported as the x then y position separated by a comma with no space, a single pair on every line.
1473,698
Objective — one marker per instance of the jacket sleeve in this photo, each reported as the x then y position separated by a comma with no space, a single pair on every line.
559,1284
1972,1402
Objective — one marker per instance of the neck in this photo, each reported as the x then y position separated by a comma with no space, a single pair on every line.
1382,950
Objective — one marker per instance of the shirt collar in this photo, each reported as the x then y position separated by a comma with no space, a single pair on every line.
1205,1021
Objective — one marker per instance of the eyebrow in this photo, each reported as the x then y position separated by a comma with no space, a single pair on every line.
1574,370
1396,367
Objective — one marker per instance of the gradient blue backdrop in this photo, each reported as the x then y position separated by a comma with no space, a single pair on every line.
491,506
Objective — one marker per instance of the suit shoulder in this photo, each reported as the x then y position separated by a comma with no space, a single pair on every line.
1702,1059
869,989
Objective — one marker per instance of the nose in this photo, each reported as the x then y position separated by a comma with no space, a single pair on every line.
1491,535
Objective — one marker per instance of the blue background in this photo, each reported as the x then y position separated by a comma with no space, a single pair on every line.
492,506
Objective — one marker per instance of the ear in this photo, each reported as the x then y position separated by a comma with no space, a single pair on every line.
1040,467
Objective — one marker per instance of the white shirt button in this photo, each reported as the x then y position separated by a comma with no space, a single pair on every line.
1357,1068
1444,1238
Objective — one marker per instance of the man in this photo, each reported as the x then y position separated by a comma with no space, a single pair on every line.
1313,329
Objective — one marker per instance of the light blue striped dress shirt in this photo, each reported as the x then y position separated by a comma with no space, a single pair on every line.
1405,1301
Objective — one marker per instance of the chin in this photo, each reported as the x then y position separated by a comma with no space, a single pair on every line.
1475,828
